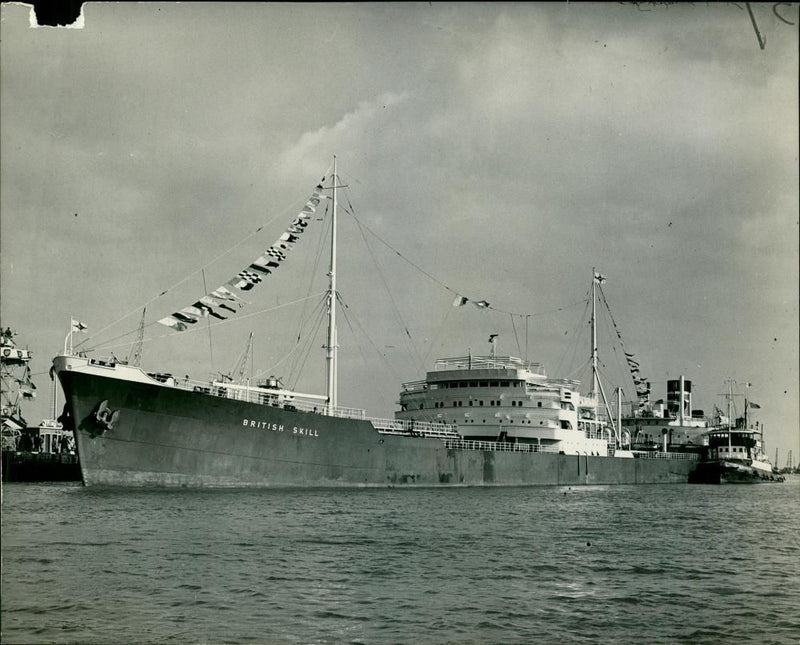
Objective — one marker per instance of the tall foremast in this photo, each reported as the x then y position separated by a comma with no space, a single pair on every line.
332,348
331,353
597,386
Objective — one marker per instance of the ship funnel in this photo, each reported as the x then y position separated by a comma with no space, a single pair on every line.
679,399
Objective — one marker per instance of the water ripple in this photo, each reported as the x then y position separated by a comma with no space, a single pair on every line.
654,564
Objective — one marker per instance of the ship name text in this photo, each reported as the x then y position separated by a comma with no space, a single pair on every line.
278,427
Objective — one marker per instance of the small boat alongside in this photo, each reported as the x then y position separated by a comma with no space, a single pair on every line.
734,452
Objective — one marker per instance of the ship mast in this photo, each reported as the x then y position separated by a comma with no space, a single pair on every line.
597,386
331,354
730,413
595,378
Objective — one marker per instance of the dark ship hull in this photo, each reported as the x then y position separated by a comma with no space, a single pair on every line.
40,467
140,434
720,471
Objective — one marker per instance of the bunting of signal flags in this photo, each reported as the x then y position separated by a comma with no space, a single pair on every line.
642,384
460,301
223,301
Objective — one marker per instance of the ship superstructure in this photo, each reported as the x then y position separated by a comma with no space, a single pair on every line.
506,399
668,425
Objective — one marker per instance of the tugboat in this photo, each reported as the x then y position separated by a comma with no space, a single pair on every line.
30,453
735,452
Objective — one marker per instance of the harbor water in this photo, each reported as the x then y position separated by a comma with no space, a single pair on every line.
611,564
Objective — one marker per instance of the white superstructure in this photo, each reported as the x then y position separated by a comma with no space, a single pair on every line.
505,399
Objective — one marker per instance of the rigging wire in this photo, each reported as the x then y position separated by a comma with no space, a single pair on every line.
514,327
191,331
281,213
296,348
627,371
346,316
312,274
622,373
576,335
420,365
448,288
208,320
304,350
345,306
438,333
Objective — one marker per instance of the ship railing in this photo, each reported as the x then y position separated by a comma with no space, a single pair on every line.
487,362
415,386
414,428
263,396
497,446
345,413
652,454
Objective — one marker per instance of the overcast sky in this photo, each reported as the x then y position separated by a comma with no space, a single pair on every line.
503,149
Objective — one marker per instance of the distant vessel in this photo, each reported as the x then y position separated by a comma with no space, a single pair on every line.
671,425
735,451
30,453
472,421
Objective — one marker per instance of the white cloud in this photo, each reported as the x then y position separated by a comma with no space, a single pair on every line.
303,157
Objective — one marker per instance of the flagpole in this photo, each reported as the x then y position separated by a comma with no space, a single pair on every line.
68,338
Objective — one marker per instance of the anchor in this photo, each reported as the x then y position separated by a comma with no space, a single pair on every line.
105,417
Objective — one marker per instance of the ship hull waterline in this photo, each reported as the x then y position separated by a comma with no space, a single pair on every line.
727,472
168,437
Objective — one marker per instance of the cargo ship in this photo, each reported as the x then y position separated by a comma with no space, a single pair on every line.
473,421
